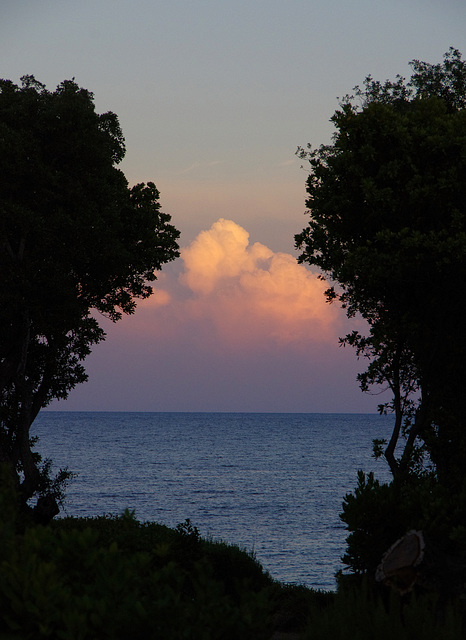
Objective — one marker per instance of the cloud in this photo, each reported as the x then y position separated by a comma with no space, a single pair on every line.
199,165
287,163
248,294
159,298
231,326
220,254
227,295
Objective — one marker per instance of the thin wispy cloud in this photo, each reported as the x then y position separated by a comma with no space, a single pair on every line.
195,166
287,163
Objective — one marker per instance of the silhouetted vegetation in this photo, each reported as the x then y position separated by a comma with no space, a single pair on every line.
74,240
114,577
387,202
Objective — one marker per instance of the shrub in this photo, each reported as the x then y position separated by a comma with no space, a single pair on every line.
358,614
116,578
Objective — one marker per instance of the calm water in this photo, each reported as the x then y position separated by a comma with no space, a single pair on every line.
273,483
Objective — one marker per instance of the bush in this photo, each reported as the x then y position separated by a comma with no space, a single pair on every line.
372,516
377,515
358,614
116,578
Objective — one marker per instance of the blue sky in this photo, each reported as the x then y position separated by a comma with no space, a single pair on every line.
214,97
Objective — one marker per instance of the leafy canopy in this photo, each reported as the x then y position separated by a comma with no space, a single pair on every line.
75,241
387,204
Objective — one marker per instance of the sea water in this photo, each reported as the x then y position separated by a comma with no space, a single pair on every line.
270,483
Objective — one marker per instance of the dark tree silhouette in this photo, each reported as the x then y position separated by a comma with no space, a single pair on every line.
75,242
387,228
387,202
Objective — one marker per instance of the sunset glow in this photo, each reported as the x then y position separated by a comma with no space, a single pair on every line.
232,318
249,294
213,99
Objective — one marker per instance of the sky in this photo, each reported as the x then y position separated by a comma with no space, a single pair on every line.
214,97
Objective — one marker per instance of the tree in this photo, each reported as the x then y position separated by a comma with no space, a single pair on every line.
75,242
387,228
387,201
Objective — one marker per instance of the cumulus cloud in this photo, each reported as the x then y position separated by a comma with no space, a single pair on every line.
231,326
248,293
220,254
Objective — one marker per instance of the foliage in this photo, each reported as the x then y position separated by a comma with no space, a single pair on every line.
371,531
376,515
75,241
229,563
117,578
387,202
359,614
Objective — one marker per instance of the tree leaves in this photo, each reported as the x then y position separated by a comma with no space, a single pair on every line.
74,240
387,203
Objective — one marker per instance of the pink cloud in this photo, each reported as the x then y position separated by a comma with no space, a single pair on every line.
243,294
231,326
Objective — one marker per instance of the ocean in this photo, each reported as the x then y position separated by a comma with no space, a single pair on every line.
270,483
